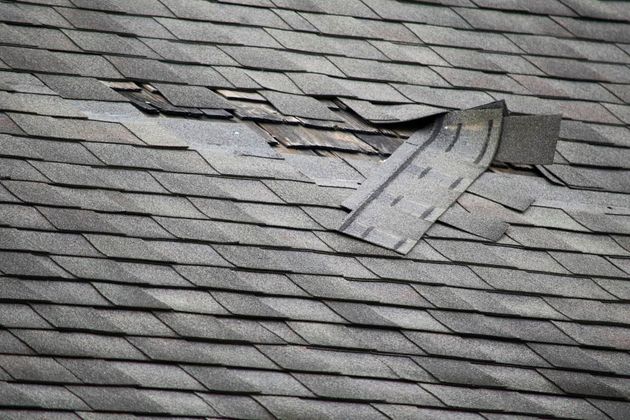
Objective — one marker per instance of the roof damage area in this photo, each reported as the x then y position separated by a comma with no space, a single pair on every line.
314,209
426,175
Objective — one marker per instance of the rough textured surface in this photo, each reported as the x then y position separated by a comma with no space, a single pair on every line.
157,260
424,177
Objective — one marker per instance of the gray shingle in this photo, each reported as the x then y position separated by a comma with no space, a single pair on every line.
583,359
236,406
210,327
387,316
424,272
489,302
56,343
511,22
140,157
109,43
604,31
367,389
30,265
312,360
441,16
225,278
142,7
22,82
104,269
132,374
529,139
22,217
81,88
350,26
589,310
390,72
325,45
615,409
497,326
519,280
305,193
143,401
224,232
20,316
32,59
467,39
87,65
19,170
120,179
476,349
481,399
225,13
11,344
355,337
301,106
49,242
198,352
117,246
596,335
293,261
350,8
38,104
399,411
266,382
50,396
408,53
32,368
479,80
193,96
587,264
68,129
144,69
89,221
188,53
265,214
466,373
291,407
216,33
581,70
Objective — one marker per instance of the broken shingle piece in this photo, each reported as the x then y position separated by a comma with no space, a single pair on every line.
529,139
423,178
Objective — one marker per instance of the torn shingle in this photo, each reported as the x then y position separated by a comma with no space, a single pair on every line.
158,260
450,154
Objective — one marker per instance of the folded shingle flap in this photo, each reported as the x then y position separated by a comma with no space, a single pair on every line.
425,176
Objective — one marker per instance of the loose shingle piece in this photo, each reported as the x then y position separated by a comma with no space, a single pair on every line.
314,209
529,139
423,178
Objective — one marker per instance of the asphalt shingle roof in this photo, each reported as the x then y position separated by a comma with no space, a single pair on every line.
172,178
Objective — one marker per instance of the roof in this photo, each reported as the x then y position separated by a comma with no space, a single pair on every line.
174,175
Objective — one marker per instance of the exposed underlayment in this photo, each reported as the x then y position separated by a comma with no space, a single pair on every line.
172,174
